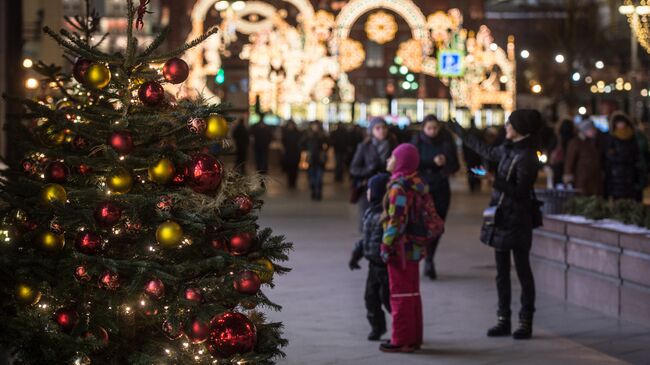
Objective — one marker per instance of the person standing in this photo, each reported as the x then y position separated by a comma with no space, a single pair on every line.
291,139
472,160
242,141
582,161
510,220
622,155
565,133
438,160
316,145
262,138
369,159
340,139
377,289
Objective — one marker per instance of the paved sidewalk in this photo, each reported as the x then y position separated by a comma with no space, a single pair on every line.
324,312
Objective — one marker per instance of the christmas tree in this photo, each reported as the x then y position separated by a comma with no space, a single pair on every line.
124,240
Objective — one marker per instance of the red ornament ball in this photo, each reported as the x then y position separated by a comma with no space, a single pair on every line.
203,173
240,244
151,93
66,318
176,70
81,274
121,141
197,331
219,244
56,172
109,280
84,169
88,243
193,295
244,204
79,69
155,289
170,331
196,125
231,333
107,214
247,282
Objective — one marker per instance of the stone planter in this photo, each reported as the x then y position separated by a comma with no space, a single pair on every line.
598,268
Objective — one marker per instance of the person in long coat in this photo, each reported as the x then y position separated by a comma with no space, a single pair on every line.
438,160
242,141
513,202
623,170
316,143
291,138
370,158
582,161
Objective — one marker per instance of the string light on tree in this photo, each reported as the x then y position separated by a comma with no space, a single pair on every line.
524,54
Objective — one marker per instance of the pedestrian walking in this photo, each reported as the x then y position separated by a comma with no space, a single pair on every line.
565,133
582,162
512,214
369,159
340,139
291,139
622,155
316,144
262,138
411,222
377,292
242,141
438,160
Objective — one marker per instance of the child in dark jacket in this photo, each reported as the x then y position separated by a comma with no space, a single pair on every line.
377,289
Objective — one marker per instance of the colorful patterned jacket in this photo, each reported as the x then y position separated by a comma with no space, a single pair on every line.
400,192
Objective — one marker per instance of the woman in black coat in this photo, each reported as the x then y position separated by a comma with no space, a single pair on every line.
370,158
622,172
291,138
438,160
514,219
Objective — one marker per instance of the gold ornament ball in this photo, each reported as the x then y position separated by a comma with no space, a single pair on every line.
169,234
27,295
98,76
52,193
120,181
216,127
162,172
51,242
267,274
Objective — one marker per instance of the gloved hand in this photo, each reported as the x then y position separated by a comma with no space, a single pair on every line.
354,260
386,252
456,128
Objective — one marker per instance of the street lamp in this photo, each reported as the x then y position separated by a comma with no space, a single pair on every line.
559,58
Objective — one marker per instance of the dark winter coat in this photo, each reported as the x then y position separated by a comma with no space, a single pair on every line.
262,136
369,245
340,139
316,145
516,227
291,142
443,144
583,162
622,175
366,161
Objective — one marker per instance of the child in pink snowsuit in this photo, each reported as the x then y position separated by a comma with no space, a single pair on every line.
401,255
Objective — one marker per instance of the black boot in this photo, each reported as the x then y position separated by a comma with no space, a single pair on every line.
430,270
503,328
525,330
375,334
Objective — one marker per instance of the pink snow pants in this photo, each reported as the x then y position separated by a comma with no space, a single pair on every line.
405,302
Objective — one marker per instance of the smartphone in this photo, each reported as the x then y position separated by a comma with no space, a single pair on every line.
479,171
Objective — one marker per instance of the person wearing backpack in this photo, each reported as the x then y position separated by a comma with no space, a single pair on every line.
377,290
410,223
438,160
512,215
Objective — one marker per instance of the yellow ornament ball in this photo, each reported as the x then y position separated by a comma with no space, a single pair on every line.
97,76
52,194
267,274
162,172
169,234
51,242
120,181
216,127
27,295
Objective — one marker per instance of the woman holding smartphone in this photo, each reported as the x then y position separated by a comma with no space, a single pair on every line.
510,219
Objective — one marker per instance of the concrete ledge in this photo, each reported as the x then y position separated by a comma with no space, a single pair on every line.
554,225
593,234
635,242
594,256
549,245
550,276
635,303
593,291
635,267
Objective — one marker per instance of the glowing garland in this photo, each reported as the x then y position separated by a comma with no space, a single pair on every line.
351,55
640,24
381,27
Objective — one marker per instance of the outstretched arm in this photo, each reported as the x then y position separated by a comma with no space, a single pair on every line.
492,153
